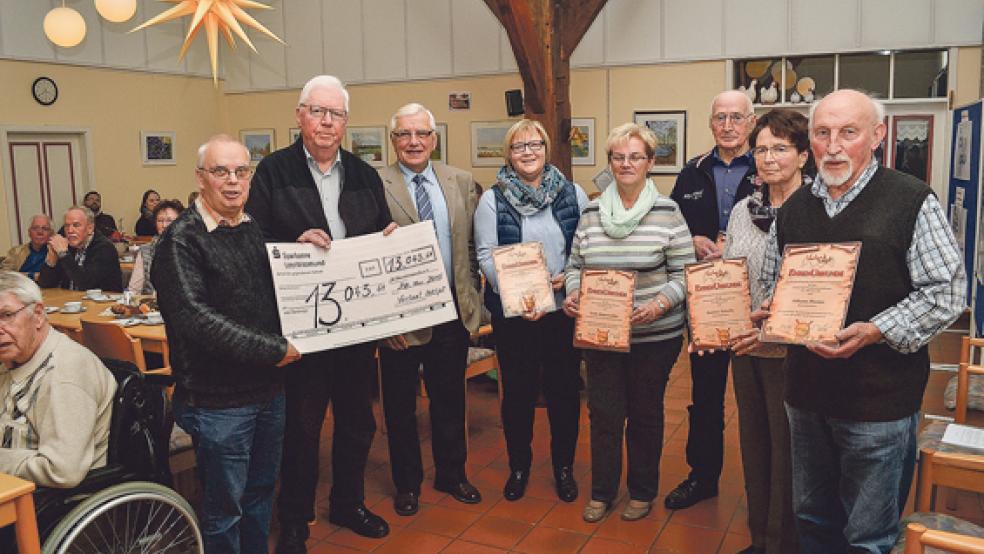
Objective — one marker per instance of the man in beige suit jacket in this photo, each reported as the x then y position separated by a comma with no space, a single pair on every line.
419,190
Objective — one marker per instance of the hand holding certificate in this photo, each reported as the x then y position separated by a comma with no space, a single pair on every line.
812,294
718,301
604,310
361,289
523,278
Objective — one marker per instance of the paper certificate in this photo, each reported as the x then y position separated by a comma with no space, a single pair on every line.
361,289
812,293
604,310
718,301
524,280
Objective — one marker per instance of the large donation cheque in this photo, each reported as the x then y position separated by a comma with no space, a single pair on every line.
812,293
360,289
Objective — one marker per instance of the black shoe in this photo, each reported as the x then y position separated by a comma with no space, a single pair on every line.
566,485
292,538
751,550
406,503
516,485
361,521
688,493
462,491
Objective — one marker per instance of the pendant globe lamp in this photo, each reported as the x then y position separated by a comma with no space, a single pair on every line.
64,26
116,11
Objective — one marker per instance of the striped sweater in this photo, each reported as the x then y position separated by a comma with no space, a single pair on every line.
657,250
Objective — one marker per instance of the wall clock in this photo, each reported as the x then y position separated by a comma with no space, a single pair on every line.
45,91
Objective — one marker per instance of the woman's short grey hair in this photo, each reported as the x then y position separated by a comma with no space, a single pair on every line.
19,285
320,82
89,216
627,131
412,108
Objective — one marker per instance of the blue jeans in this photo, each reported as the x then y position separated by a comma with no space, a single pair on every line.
238,452
850,480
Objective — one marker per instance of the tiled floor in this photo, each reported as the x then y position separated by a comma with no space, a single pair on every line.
539,523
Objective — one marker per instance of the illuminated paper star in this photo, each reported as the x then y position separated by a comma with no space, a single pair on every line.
213,15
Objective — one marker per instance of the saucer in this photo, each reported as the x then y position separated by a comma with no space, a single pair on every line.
51,309
67,311
101,298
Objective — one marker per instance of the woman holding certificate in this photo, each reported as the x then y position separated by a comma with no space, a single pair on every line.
528,217
631,227
780,143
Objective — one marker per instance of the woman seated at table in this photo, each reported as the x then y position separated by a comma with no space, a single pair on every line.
164,213
631,226
145,225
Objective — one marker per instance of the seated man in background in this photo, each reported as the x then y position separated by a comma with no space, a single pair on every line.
55,395
105,224
29,257
82,259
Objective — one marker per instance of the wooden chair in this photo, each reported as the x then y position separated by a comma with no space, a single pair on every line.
109,340
917,537
947,465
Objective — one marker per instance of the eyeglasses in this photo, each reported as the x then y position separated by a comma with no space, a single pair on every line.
633,158
320,112
778,150
6,318
533,145
404,135
222,172
736,118
38,228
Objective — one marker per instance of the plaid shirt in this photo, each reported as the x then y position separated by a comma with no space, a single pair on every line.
935,264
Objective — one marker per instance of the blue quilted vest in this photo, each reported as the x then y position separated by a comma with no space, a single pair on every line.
509,228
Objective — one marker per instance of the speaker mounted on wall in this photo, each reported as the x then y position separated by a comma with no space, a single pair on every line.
514,102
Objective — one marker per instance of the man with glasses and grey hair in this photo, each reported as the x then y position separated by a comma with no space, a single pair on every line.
315,191
706,190
29,257
418,189
55,395
82,259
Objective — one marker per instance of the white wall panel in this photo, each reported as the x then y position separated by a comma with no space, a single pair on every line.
507,60
342,37
302,32
958,21
90,50
234,68
164,40
122,48
476,38
384,28
267,66
755,27
693,29
429,39
197,61
632,31
828,26
21,29
591,49
896,23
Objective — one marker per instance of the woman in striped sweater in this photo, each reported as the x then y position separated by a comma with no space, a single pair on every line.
631,226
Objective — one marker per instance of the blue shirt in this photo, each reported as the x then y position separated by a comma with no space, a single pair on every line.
439,207
727,177
32,265
329,185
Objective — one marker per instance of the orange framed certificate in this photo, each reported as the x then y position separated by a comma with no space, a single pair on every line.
523,278
605,309
812,294
718,301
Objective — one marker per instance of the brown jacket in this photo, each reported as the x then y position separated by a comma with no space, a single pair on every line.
460,195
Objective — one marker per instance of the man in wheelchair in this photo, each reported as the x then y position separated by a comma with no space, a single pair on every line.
55,395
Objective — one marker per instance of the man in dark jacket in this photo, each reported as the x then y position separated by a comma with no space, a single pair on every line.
706,190
82,259
216,295
314,191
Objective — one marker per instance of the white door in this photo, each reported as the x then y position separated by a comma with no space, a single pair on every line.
47,175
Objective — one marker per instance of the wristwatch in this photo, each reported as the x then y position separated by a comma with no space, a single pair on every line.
663,307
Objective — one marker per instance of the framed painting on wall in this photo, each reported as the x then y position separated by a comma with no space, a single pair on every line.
368,143
259,142
670,128
583,141
440,153
912,139
293,134
157,147
487,142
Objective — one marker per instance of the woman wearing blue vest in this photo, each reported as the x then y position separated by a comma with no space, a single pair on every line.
532,201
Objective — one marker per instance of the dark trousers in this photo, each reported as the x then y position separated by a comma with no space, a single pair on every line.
343,377
444,359
705,437
625,392
765,455
534,356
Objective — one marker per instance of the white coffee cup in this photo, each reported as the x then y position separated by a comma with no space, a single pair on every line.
154,318
72,307
94,293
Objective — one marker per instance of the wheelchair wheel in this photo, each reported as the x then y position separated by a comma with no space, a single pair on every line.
128,518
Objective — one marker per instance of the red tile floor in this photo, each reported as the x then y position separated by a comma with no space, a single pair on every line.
539,522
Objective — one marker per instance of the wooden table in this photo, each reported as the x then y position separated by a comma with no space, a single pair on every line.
152,337
17,507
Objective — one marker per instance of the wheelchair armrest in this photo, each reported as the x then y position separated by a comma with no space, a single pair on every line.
97,479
